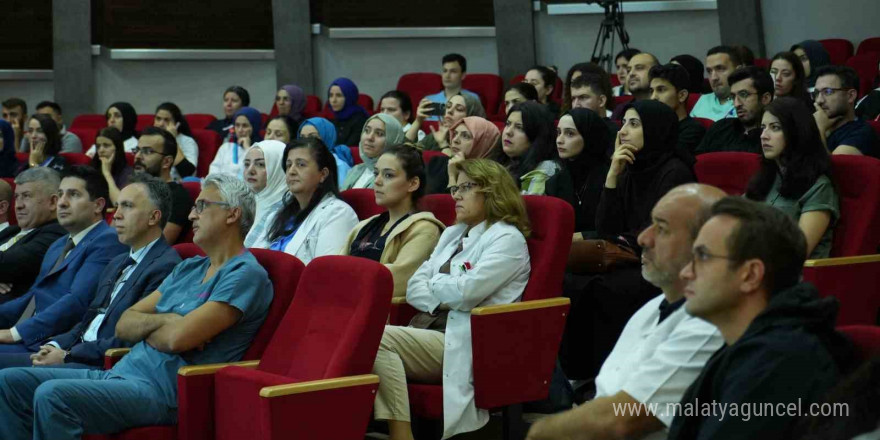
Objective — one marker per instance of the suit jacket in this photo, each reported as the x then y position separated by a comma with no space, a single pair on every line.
63,295
145,279
20,264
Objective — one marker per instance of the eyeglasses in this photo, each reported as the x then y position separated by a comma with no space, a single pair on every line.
701,255
464,188
146,151
826,92
200,205
743,95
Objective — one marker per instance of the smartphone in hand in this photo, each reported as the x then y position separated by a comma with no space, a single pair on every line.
438,110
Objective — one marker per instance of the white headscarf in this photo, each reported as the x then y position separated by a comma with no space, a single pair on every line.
269,199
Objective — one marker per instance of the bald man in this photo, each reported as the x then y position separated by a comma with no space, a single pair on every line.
638,81
662,349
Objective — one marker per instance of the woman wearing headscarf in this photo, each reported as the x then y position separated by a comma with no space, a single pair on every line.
122,116
264,174
379,132
457,108
812,55
470,138
8,163
325,131
694,69
244,133
290,100
350,117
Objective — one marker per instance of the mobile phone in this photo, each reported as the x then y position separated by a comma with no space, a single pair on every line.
438,110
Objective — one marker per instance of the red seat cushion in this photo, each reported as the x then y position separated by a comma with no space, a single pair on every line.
86,135
77,158
488,86
729,171
441,205
144,121
363,201
94,121
869,45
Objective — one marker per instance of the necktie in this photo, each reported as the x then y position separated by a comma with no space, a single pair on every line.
12,241
32,304
128,263
67,248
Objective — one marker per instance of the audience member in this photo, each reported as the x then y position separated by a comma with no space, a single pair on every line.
470,138
70,142
234,98
23,247
454,69
593,91
207,311
621,63
143,208
517,93
721,61
169,117
325,131
745,54
752,90
281,129
342,97
669,86
290,100
662,348
8,161
795,175
122,116
313,221
15,113
264,174
482,260
781,346
155,155
584,145
694,69
544,80
837,88
45,144
380,131
6,205
788,78
812,55
868,108
529,154
638,81
457,108
402,237
69,271
398,104
110,160
577,71
245,133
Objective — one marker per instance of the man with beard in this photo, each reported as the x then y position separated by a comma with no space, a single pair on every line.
155,155
638,81
752,90
720,62
837,88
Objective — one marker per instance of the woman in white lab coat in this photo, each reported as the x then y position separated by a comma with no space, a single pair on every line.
481,260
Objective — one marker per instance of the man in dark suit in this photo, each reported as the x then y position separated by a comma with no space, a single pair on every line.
70,270
22,247
143,207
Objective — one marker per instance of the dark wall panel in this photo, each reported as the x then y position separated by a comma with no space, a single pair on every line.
26,34
403,13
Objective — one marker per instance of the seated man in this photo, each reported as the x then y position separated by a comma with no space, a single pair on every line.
454,70
752,90
837,88
669,85
721,61
22,247
207,311
143,206
662,349
69,272
638,81
781,347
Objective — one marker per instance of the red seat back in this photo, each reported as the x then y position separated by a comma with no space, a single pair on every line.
692,101
865,339
129,158
419,84
866,67
763,63
857,181
839,50
77,158
93,121
86,135
366,101
552,222
334,324
313,106
363,201
199,121
441,205
869,45
427,155
500,124
356,154
729,171
876,126
11,212
706,123
618,100
488,86
193,189
144,121
209,142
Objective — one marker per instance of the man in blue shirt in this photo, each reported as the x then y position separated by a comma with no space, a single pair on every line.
837,88
454,71
207,311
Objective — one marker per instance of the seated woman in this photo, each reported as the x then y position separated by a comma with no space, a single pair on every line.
234,98
8,162
379,131
246,132
402,237
111,161
795,175
398,104
264,174
350,117
528,152
42,132
281,129
290,100
471,138
169,117
544,80
324,130
583,143
312,221
457,107
481,260
789,79
812,55
519,93
122,116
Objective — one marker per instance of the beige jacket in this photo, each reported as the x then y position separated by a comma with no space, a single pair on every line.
408,245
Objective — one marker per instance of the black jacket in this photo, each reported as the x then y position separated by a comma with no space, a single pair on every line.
20,264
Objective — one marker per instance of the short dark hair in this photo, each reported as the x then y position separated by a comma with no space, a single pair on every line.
413,165
527,90
242,94
52,132
53,105
158,193
547,75
674,73
599,84
456,58
746,56
169,144
731,52
760,79
627,53
849,79
120,163
768,234
402,98
177,115
96,185
16,102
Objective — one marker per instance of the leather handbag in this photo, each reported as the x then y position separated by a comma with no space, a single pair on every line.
599,256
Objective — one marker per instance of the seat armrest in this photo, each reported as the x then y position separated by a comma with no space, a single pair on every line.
854,281
195,399
840,261
318,385
199,370
114,355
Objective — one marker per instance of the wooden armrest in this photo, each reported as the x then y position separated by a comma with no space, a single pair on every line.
519,306
198,370
318,385
116,352
842,260
398,300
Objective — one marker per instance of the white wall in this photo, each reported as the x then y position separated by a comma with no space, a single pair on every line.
787,22
31,91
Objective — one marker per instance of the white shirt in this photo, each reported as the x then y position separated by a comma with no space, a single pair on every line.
4,225
223,161
657,363
128,145
421,134
190,150
364,180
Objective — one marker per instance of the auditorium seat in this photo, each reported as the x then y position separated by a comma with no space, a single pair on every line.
865,339
22,157
356,154
500,125
839,50
427,155
77,158
366,101
692,101
866,67
488,86
313,106
129,158
763,63
441,205
427,125
11,211
876,126
362,201
209,142
95,121
706,123
729,171
199,121
86,135
144,121
418,85
869,45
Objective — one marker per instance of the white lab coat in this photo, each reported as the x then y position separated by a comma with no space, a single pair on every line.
223,163
498,258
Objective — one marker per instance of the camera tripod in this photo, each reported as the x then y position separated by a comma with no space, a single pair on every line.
613,23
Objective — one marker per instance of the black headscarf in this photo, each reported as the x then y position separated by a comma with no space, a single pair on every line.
589,169
660,131
594,130
694,69
129,118
818,57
